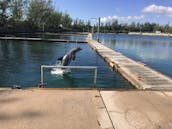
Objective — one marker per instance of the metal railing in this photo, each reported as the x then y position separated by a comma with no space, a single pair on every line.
67,67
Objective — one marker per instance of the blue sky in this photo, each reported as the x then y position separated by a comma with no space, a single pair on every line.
159,11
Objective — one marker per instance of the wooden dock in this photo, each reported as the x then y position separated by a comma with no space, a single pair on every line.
140,75
42,39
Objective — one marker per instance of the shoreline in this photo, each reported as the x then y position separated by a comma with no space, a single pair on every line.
150,34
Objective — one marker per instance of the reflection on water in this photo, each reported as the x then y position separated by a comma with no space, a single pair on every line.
21,61
151,50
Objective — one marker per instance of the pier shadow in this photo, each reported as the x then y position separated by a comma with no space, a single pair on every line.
20,116
8,100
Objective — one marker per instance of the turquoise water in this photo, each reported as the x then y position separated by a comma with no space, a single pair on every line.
154,51
20,63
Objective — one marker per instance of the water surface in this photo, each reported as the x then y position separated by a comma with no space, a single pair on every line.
155,51
21,61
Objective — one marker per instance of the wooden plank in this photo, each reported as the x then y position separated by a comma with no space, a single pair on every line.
140,75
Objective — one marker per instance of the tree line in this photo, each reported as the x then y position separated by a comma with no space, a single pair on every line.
35,16
41,16
115,27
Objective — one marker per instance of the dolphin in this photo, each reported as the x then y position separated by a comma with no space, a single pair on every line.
68,57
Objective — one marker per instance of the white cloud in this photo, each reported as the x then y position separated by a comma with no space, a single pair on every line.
122,19
158,9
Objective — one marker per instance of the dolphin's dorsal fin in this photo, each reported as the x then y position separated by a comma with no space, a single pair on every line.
61,58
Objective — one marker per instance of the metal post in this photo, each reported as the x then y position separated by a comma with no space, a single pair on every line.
42,75
68,67
95,77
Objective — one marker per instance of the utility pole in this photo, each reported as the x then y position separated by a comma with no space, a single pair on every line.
98,30
92,30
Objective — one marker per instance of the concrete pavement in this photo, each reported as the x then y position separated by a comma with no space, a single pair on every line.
48,109
85,109
139,109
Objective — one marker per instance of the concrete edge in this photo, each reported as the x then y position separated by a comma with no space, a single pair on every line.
103,117
91,89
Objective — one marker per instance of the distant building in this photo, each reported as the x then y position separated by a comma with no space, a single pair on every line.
158,32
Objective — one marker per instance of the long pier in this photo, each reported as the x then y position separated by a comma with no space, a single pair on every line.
42,39
140,75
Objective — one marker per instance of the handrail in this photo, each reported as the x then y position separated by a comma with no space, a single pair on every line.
67,67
